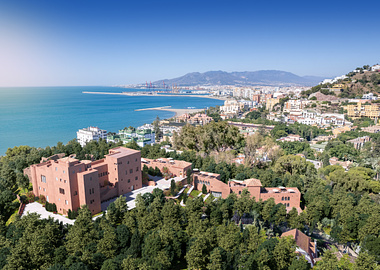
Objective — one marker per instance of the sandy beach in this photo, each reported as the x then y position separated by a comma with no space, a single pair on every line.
176,111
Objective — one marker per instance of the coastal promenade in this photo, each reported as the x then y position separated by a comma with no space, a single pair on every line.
176,111
144,94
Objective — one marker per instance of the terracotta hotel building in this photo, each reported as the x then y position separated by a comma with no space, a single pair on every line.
70,183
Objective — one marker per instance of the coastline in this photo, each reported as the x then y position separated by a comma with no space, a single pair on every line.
152,95
177,112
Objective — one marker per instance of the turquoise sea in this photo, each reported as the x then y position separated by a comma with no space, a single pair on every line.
42,116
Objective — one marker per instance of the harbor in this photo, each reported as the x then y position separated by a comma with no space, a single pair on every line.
150,94
170,109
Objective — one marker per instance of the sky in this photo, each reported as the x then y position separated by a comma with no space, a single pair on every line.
90,42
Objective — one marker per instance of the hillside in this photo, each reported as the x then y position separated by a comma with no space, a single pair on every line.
360,83
261,77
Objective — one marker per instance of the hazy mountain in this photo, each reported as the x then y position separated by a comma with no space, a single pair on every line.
260,77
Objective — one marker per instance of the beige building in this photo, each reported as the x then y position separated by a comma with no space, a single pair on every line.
271,102
361,110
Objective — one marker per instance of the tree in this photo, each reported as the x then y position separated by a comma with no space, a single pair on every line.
107,245
82,235
365,262
116,210
328,262
284,252
204,189
189,177
216,260
172,187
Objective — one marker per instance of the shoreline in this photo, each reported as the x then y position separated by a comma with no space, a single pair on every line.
169,109
134,94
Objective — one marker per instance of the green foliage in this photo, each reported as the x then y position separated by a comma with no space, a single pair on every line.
215,136
204,189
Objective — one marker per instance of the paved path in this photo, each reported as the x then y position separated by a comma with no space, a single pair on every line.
131,197
36,207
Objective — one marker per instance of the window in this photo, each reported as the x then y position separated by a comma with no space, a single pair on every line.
64,181
56,179
128,162
44,189
80,169
131,171
239,192
75,193
43,178
60,180
66,202
56,168
136,178
63,171
288,198
136,160
73,171
90,178
129,180
282,198
61,190
137,169
93,191
39,188
90,191
126,172
47,198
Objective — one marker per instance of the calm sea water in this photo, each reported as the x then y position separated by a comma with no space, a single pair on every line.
42,116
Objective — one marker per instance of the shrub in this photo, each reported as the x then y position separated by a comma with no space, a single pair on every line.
204,189
30,196
42,199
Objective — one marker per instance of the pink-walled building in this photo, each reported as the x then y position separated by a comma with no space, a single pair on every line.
176,167
70,183
290,197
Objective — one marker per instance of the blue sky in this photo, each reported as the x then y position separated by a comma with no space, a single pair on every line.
83,42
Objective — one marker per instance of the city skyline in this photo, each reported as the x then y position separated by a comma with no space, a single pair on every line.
71,43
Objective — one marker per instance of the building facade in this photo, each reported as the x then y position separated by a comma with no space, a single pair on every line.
86,135
176,167
70,183
290,197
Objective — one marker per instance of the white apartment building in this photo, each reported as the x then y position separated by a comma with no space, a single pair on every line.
375,67
86,135
232,106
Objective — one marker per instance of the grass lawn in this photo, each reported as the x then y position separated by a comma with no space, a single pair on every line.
195,193
12,217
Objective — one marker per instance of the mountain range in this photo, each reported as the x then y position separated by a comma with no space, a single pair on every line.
260,77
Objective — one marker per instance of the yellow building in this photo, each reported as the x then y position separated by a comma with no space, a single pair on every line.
271,102
359,110
339,86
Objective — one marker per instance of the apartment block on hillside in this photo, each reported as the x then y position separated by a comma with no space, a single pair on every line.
70,183
176,167
86,135
290,197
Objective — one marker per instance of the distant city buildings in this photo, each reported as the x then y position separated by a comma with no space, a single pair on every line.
197,119
141,136
86,135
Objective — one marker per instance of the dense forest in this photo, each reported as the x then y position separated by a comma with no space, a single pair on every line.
339,207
